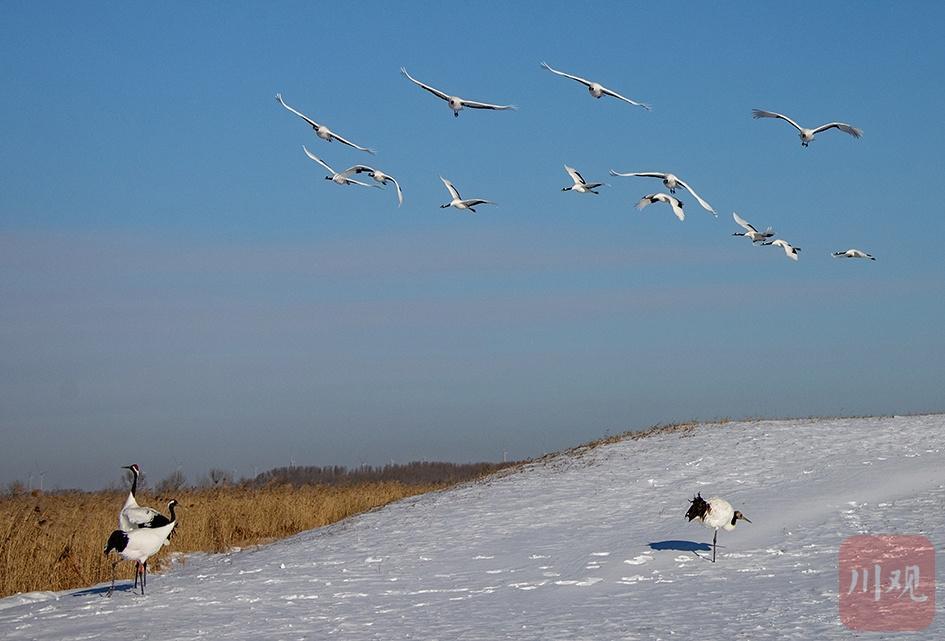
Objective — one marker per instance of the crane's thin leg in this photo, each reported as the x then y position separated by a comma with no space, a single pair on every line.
714,537
137,572
144,578
112,589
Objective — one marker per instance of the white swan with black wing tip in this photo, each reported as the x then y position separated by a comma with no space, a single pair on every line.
715,513
455,102
672,201
338,177
750,231
595,88
580,185
807,135
789,250
322,131
460,203
382,178
139,545
671,182
853,253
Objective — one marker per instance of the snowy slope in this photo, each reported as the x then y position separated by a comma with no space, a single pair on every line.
589,545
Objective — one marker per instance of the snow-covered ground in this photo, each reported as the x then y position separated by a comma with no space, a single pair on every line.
586,545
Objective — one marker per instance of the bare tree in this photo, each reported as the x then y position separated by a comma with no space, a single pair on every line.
15,488
220,478
171,483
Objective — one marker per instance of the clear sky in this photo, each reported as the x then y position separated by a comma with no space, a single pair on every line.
180,287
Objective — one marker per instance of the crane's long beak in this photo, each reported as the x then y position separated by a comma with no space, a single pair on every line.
745,518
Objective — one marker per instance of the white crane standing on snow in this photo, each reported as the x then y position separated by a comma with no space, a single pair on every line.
140,544
714,514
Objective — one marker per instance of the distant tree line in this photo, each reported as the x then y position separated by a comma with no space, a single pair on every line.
415,473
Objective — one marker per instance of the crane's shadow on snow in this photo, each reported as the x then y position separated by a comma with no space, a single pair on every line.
104,590
681,546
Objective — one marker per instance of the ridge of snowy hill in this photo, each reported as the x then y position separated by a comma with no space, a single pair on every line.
591,544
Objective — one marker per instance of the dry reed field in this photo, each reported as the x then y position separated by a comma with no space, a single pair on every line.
55,541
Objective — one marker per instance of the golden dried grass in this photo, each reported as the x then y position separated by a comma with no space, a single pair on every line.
55,541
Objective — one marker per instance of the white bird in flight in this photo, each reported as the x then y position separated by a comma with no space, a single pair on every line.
715,513
675,203
322,131
338,177
455,102
595,88
853,253
460,203
580,185
671,181
789,250
750,231
807,135
382,178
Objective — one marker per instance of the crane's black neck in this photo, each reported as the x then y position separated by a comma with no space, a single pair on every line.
134,482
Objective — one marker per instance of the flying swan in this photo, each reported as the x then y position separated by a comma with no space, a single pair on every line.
455,102
671,181
807,135
595,88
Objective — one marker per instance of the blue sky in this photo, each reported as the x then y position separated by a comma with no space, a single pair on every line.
182,288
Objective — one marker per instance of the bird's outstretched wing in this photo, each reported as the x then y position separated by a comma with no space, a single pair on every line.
584,82
645,174
351,144
614,94
318,160
472,202
789,250
450,188
704,204
435,92
743,223
485,105
675,203
400,194
842,126
358,182
314,124
761,113
575,175
361,169
646,201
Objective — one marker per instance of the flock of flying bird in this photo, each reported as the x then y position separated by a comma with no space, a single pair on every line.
580,185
